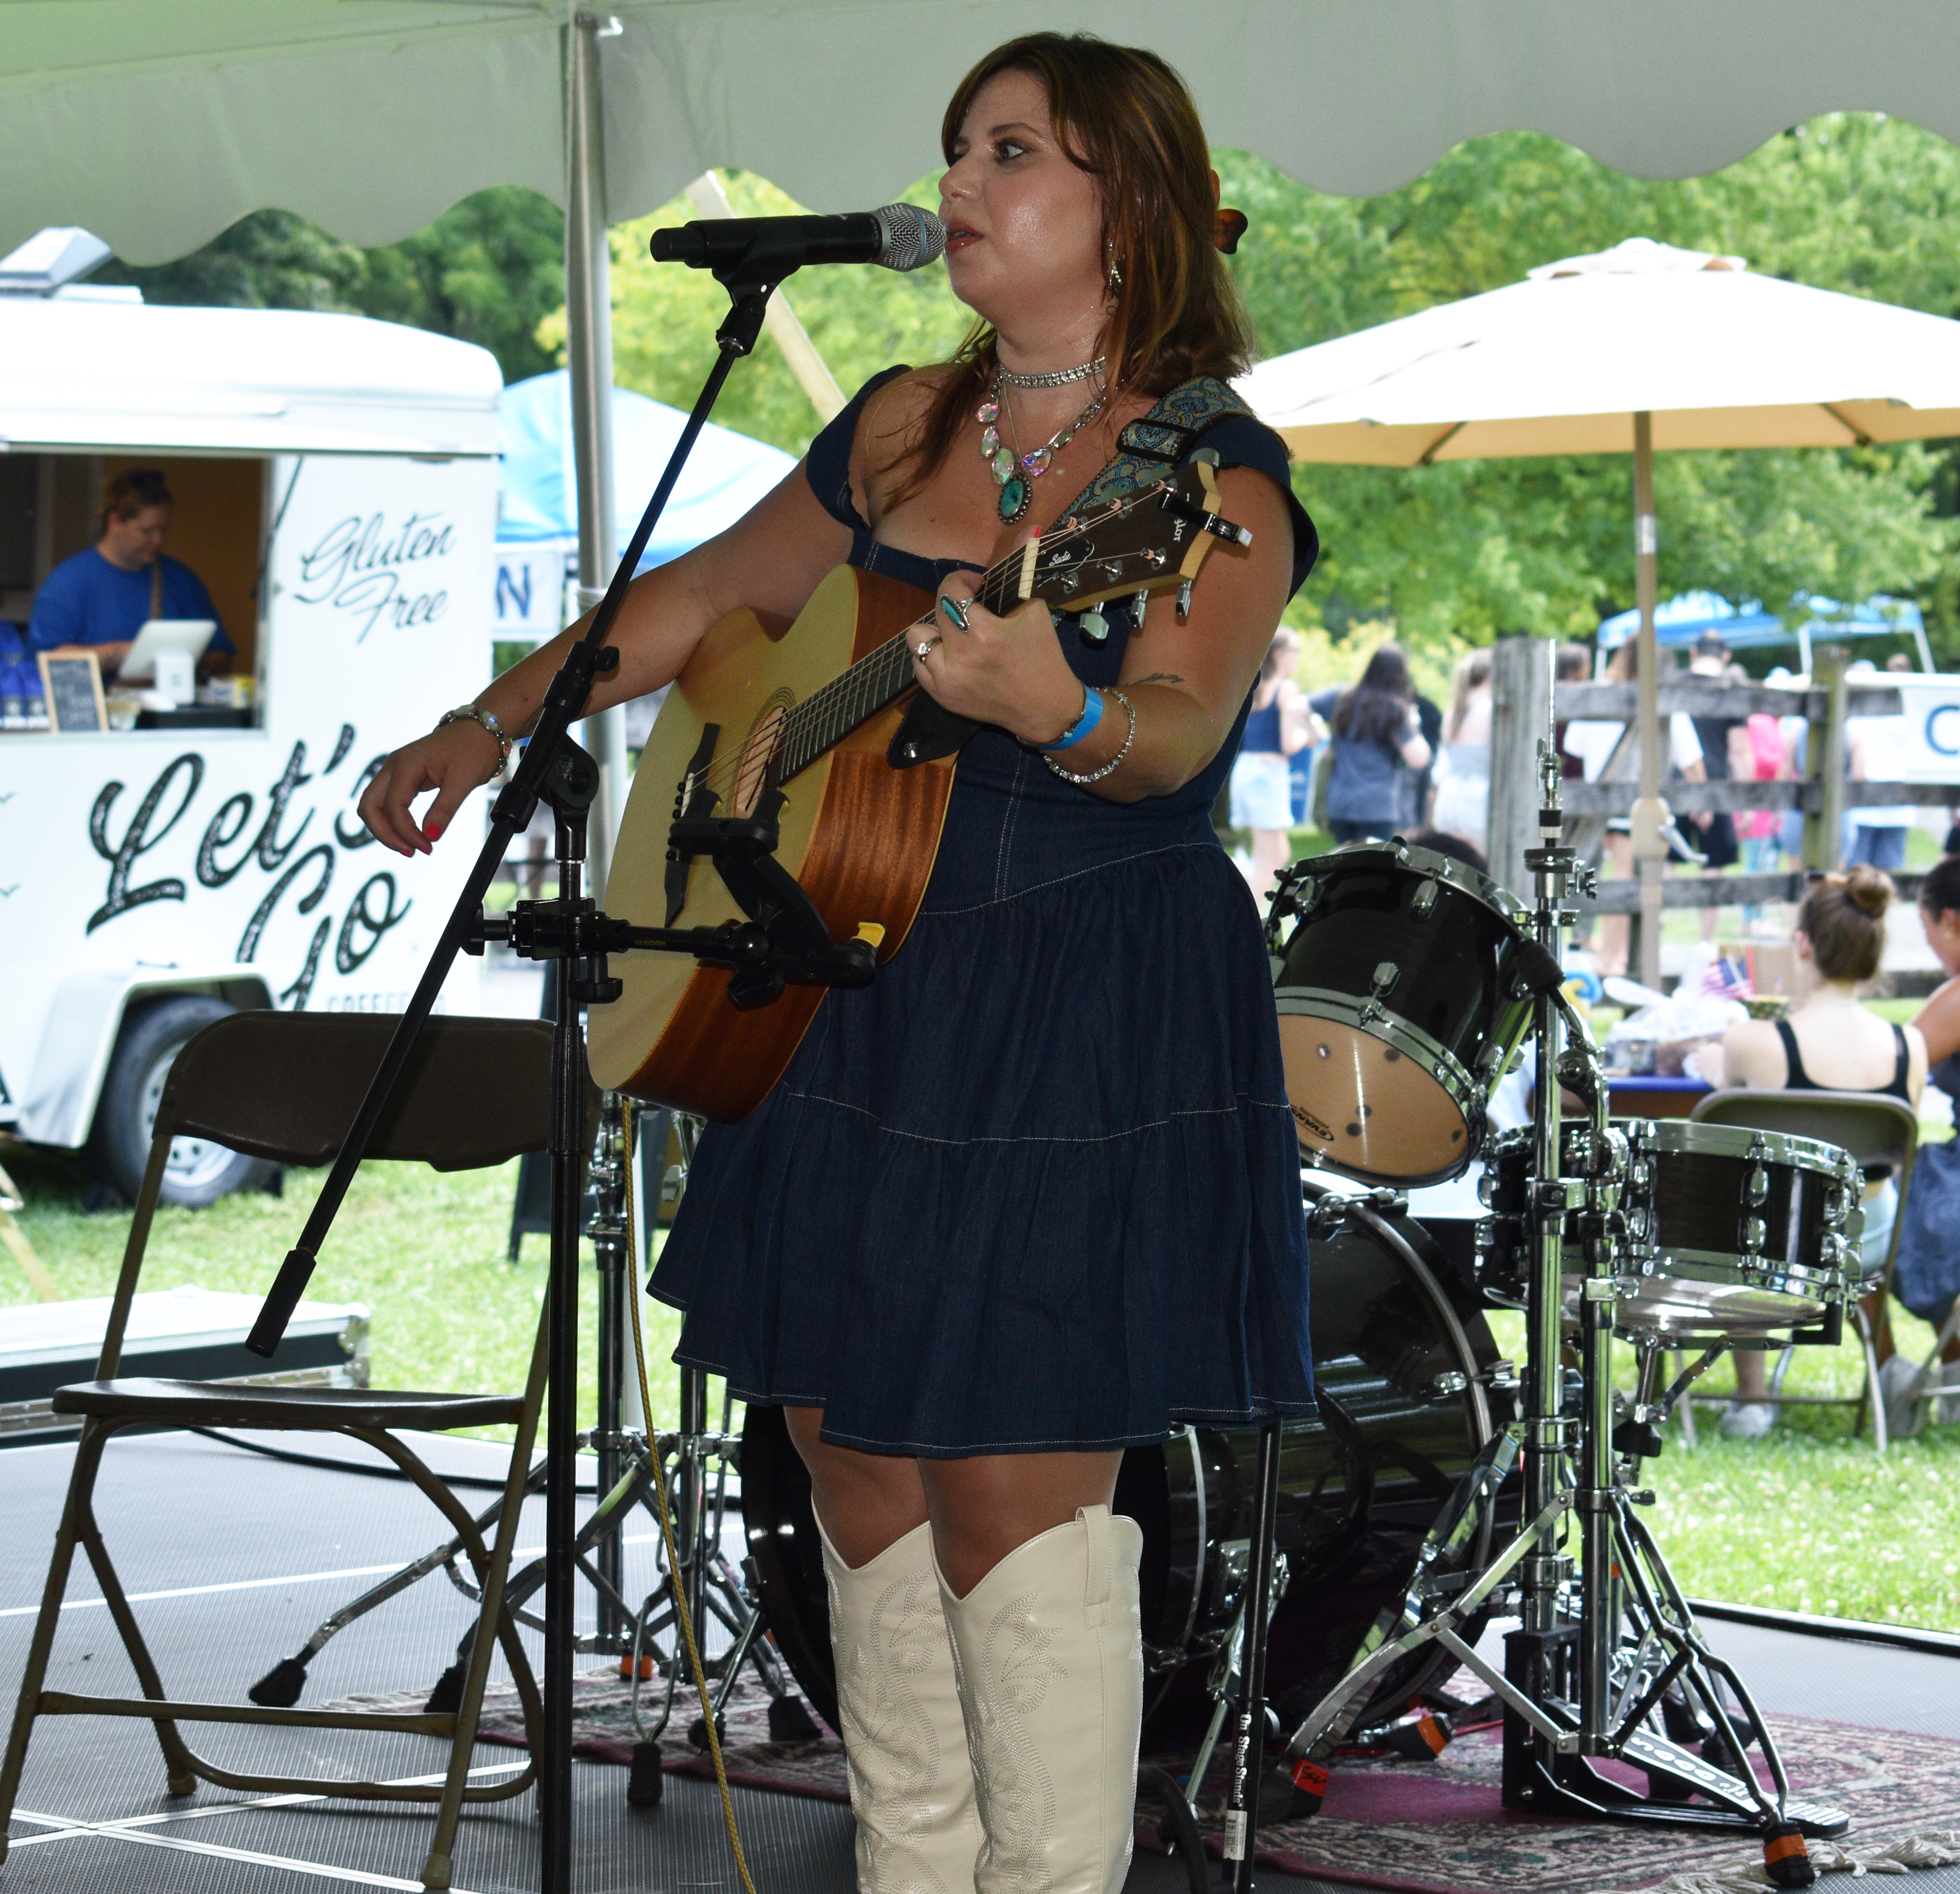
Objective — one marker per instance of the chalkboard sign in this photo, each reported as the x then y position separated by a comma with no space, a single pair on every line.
73,689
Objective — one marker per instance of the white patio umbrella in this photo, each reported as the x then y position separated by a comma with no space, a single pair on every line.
1641,347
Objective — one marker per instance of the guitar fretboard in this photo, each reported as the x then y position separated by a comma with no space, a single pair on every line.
855,696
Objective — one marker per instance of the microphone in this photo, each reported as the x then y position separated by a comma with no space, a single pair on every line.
897,236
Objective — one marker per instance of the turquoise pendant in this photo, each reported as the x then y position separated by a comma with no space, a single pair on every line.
1014,493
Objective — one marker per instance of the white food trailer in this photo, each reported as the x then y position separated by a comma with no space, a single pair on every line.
336,484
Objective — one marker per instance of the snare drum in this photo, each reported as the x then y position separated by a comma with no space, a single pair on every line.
1729,1233
1734,1232
1398,1007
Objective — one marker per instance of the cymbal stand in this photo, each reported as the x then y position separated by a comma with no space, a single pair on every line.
1601,1654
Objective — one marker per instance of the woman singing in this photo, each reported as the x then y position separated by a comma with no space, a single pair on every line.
1033,1196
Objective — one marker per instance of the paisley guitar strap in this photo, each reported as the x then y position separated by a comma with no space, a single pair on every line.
1148,449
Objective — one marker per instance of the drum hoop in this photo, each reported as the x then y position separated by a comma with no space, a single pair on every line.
1445,868
1734,1265
1670,1137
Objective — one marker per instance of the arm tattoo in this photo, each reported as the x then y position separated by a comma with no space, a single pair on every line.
1159,677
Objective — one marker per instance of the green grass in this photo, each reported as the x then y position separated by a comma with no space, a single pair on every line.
1810,1519
424,1251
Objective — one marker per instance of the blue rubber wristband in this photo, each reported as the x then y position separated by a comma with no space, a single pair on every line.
1092,715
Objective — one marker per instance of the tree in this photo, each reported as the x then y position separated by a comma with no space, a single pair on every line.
1457,552
487,271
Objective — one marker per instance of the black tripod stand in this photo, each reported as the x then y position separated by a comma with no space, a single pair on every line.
783,940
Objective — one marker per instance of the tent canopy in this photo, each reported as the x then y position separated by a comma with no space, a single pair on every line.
157,122
726,474
1683,618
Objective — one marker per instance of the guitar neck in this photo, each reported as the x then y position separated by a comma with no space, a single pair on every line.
880,678
1142,542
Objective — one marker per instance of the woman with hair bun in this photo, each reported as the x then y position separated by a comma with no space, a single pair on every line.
1831,1042
1033,1196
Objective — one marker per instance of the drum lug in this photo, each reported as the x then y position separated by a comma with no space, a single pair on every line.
1754,1232
1422,905
1502,1377
1451,1381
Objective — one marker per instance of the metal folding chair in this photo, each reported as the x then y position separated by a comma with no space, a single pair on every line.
285,1087
1877,1131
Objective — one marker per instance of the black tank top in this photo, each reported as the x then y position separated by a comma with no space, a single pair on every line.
1799,1080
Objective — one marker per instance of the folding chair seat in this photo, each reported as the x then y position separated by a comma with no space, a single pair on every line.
1877,1130
285,1087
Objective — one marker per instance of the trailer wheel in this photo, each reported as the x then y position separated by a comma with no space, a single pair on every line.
198,1172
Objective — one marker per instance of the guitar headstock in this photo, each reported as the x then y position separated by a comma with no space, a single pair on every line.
1149,542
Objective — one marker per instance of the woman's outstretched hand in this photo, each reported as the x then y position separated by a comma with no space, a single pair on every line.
451,761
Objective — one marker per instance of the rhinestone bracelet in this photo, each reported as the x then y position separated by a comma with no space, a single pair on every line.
1097,775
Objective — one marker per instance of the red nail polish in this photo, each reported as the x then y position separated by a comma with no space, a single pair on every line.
433,830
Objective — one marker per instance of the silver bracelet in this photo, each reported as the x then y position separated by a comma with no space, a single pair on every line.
1097,775
484,720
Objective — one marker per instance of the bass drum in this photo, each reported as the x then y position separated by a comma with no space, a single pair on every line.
1401,1357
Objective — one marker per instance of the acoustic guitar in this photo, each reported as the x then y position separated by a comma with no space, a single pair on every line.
826,711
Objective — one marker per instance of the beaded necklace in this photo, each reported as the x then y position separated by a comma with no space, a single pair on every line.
1016,473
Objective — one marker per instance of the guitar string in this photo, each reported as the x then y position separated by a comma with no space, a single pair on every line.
836,707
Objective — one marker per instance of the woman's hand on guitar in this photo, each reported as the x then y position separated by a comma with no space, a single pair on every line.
1009,672
451,761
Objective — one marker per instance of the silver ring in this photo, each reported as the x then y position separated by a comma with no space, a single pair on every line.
924,649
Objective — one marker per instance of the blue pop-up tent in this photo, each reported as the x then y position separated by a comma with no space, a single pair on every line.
537,501
726,474
1682,619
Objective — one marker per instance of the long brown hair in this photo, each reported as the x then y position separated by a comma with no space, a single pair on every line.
1125,116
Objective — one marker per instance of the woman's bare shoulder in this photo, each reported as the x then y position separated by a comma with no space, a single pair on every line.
1752,1054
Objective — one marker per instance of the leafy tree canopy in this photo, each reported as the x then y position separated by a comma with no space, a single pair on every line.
487,271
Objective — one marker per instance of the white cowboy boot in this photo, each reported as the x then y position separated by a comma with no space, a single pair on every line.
911,1783
1049,1650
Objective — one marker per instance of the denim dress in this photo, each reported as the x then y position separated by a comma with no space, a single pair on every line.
1037,1186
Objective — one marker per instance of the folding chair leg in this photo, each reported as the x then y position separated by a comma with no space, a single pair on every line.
179,1766
437,1869
88,1457
1872,1398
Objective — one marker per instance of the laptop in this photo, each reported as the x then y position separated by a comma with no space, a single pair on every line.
189,634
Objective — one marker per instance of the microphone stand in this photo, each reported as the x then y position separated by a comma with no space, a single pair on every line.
783,941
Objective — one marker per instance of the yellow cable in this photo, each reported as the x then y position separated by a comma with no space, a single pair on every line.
667,1521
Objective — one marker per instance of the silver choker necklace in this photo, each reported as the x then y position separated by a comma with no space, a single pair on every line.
1055,378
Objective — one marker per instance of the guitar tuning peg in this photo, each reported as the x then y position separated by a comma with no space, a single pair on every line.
1095,627
1184,599
1141,605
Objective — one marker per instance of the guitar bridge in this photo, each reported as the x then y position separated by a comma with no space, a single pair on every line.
687,806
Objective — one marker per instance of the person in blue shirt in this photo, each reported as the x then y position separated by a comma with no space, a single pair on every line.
99,599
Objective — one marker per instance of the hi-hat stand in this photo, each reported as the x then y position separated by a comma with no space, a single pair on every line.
783,940
1607,1662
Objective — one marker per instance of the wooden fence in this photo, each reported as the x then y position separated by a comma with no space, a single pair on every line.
1521,673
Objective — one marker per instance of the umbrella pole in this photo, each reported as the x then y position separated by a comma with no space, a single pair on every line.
1649,813
588,309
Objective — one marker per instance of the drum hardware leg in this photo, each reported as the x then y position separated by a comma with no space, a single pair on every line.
1248,1747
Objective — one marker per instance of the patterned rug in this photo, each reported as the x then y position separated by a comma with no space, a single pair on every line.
1431,1828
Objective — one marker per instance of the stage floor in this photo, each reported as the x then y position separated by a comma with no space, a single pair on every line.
233,1558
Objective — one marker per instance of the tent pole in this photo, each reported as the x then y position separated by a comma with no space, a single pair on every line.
588,308
1649,813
